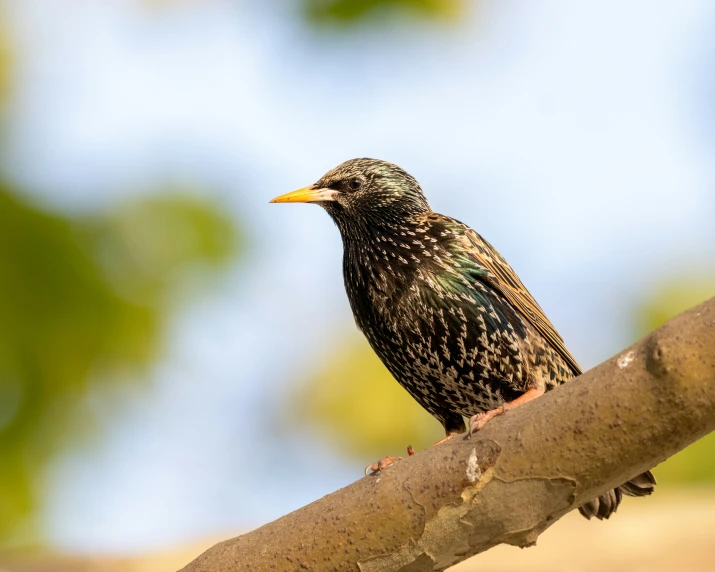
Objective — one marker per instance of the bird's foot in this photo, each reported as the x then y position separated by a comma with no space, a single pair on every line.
386,462
478,421
447,438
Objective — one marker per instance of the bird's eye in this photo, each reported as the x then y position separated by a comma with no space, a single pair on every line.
354,184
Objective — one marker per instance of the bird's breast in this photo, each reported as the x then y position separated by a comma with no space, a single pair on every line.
449,349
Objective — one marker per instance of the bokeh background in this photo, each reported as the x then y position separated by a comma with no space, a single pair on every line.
178,360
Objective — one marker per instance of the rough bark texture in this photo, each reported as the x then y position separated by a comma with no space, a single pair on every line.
513,479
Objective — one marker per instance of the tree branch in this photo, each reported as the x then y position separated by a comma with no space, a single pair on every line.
513,479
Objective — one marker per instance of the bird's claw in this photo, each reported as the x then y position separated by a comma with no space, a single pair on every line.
386,462
478,421
381,464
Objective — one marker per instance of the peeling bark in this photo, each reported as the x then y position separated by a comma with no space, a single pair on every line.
511,480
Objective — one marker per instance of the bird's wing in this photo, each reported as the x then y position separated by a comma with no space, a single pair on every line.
501,277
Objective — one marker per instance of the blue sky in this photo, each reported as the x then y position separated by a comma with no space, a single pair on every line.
576,137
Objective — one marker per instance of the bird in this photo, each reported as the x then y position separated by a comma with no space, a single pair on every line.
442,309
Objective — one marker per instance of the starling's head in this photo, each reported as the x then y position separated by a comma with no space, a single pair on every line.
364,191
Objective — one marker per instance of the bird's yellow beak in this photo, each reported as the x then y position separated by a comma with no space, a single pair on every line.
311,194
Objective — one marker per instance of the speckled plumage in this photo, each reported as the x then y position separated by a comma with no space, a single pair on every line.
441,307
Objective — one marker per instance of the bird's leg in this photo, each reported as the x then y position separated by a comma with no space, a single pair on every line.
479,420
453,425
443,439
387,461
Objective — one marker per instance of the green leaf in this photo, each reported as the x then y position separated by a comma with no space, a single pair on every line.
82,299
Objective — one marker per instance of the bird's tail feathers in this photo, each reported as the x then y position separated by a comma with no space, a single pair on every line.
605,505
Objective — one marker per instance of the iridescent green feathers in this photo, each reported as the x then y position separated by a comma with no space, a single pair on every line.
501,277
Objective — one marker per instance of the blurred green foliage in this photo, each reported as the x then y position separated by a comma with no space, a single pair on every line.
354,402
696,464
672,298
82,299
145,246
350,12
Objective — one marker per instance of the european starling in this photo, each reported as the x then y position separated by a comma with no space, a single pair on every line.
441,307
